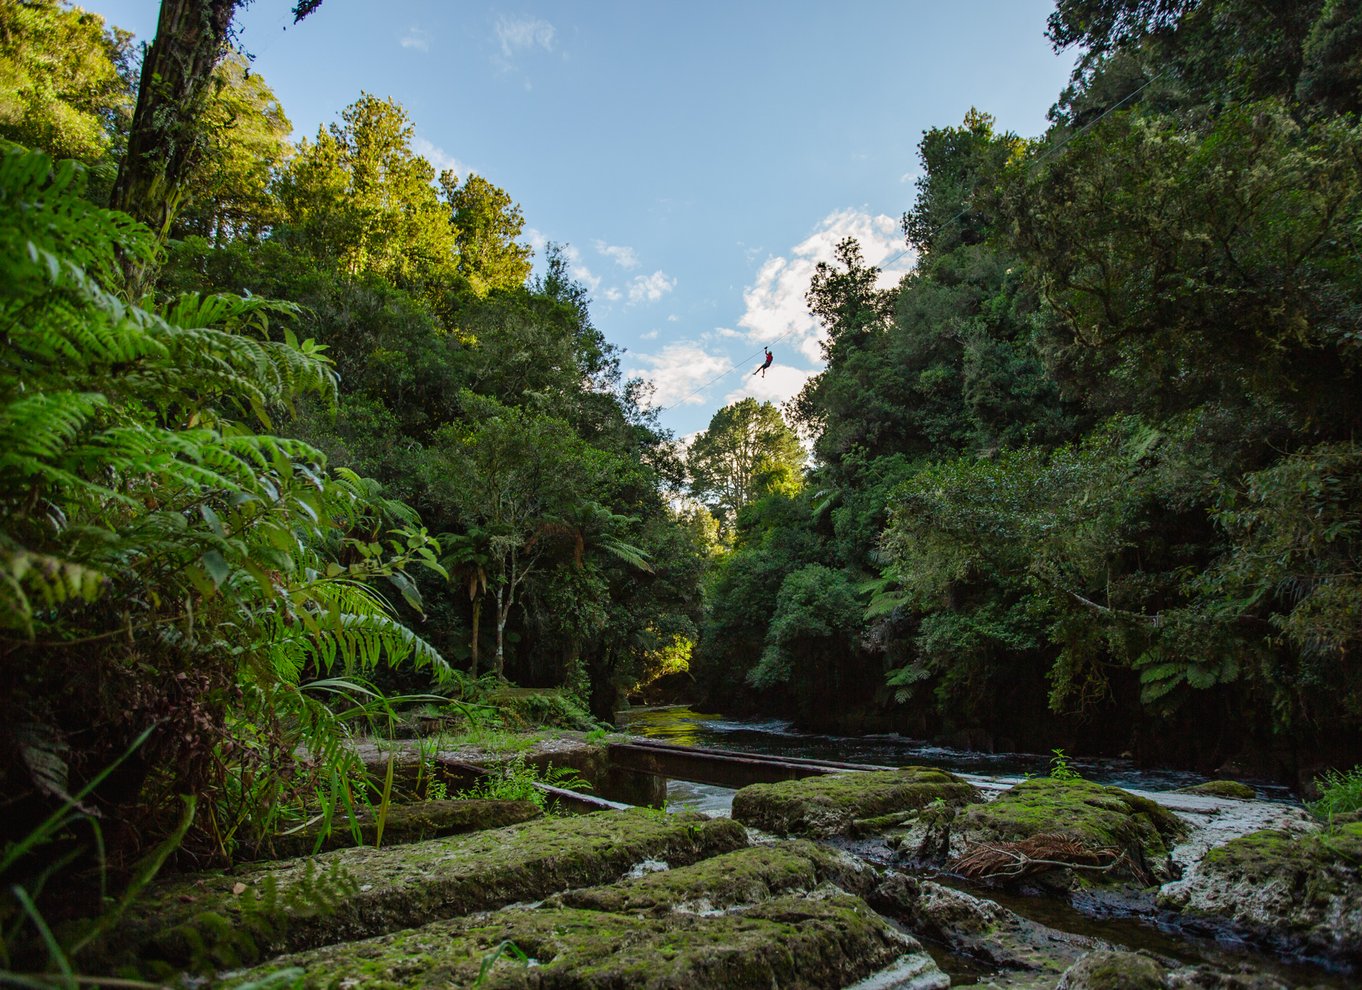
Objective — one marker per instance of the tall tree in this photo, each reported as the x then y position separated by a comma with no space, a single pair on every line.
192,36
747,451
486,224
359,196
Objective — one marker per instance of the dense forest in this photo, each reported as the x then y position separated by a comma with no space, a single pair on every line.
289,430
1090,475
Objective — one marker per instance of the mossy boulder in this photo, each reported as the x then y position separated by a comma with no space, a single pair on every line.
1294,892
849,803
1221,788
1108,834
745,876
1110,969
410,823
777,926
239,918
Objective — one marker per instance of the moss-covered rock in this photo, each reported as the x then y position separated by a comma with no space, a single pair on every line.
410,823
746,876
1114,970
1115,835
844,804
773,930
1291,891
1221,788
239,918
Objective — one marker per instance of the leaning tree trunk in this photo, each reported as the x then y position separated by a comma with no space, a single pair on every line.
177,73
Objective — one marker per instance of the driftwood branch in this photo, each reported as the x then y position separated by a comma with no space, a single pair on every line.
1038,853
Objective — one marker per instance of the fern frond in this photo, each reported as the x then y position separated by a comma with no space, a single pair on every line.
27,577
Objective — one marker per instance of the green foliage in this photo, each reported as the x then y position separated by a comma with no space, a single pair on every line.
359,197
246,142
159,554
63,79
487,224
746,452
1340,793
1060,768
515,780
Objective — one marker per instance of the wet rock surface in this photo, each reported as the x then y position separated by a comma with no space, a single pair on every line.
1297,890
976,927
1111,969
625,899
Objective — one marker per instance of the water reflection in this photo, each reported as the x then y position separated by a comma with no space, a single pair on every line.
683,726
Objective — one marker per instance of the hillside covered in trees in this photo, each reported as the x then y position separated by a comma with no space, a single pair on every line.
1090,475
288,428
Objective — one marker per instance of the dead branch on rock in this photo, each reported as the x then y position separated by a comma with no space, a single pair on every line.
1038,853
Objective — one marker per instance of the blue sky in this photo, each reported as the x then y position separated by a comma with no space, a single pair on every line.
697,159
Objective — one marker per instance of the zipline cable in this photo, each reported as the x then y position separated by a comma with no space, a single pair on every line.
1049,153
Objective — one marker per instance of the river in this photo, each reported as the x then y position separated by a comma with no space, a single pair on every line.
683,726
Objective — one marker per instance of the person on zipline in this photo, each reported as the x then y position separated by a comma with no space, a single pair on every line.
769,358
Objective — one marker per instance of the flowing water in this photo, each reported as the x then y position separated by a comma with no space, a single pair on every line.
682,726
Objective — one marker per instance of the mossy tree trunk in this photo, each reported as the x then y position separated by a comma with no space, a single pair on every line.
191,35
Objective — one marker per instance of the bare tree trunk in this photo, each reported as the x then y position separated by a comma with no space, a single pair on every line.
503,611
473,646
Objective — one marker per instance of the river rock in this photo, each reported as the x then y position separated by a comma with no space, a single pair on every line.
1113,969
759,917
1105,834
848,803
241,917
1296,890
978,928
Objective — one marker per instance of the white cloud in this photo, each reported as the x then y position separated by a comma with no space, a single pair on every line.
677,372
775,305
578,269
650,335
620,255
523,34
781,383
416,38
650,288
440,158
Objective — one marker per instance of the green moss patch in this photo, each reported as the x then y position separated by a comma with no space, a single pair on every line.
842,804
746,876
625,936
1113,826
238,919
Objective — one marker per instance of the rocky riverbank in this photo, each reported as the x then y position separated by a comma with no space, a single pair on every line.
835,881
